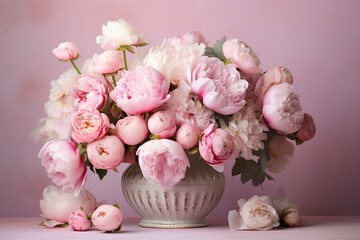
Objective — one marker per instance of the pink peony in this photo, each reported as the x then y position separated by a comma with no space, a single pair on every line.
78,221
140,91
163,161
117,33
189,38
108,62
64,165
106,152
281,109
218,85
89,94
241,55
281,150
187,136
270,78
132,130
58,205
162,124
107,218
307,129
66,51
88,126
216,146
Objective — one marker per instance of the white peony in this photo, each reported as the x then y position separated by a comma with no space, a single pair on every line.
254,214
116,34
58,205
249,132
172,60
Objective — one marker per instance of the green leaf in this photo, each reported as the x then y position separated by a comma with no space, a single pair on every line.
209,52
238,167
130,49
217,49
117,206
193,150
250,171
142,44
101,173
258,179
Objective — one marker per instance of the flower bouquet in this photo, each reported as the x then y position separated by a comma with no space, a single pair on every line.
157,107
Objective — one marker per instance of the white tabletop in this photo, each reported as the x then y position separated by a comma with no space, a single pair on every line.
314,228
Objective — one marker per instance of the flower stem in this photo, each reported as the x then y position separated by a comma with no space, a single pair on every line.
125,61
113,79
74,65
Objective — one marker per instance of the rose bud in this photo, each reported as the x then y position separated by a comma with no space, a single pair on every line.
107,218
66,51
162,124
78,221
187,136
106,153
132,130
291,217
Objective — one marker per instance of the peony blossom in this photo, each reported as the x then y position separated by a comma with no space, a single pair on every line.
172,59
89,94
307,129
219,85
116,34
108,62
58,205
282,110
248,131
281,150
162,124
140,91
63,164
163,161
107,218
106,152
216,146
88,126
66,51
132,130
241,55
187,108
254,214
189,39
187,136
270,78
78,221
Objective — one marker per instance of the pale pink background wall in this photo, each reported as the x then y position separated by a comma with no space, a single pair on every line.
317,40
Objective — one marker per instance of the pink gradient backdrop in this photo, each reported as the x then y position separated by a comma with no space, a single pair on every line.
317,40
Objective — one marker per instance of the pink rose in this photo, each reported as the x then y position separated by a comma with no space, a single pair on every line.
107,218
307,129
187,136
216,146
270,78
58,205
88,126
66,51
140,91
64,165
218,85
132,130
162,124
281,109
163,161
116,34
108,62
106,152
78,221
241,55
89,94
257,213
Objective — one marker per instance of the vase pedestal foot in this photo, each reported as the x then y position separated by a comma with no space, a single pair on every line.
150,223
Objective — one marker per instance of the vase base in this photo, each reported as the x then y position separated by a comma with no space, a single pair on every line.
148,223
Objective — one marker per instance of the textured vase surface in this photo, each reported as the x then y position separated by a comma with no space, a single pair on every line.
184,205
